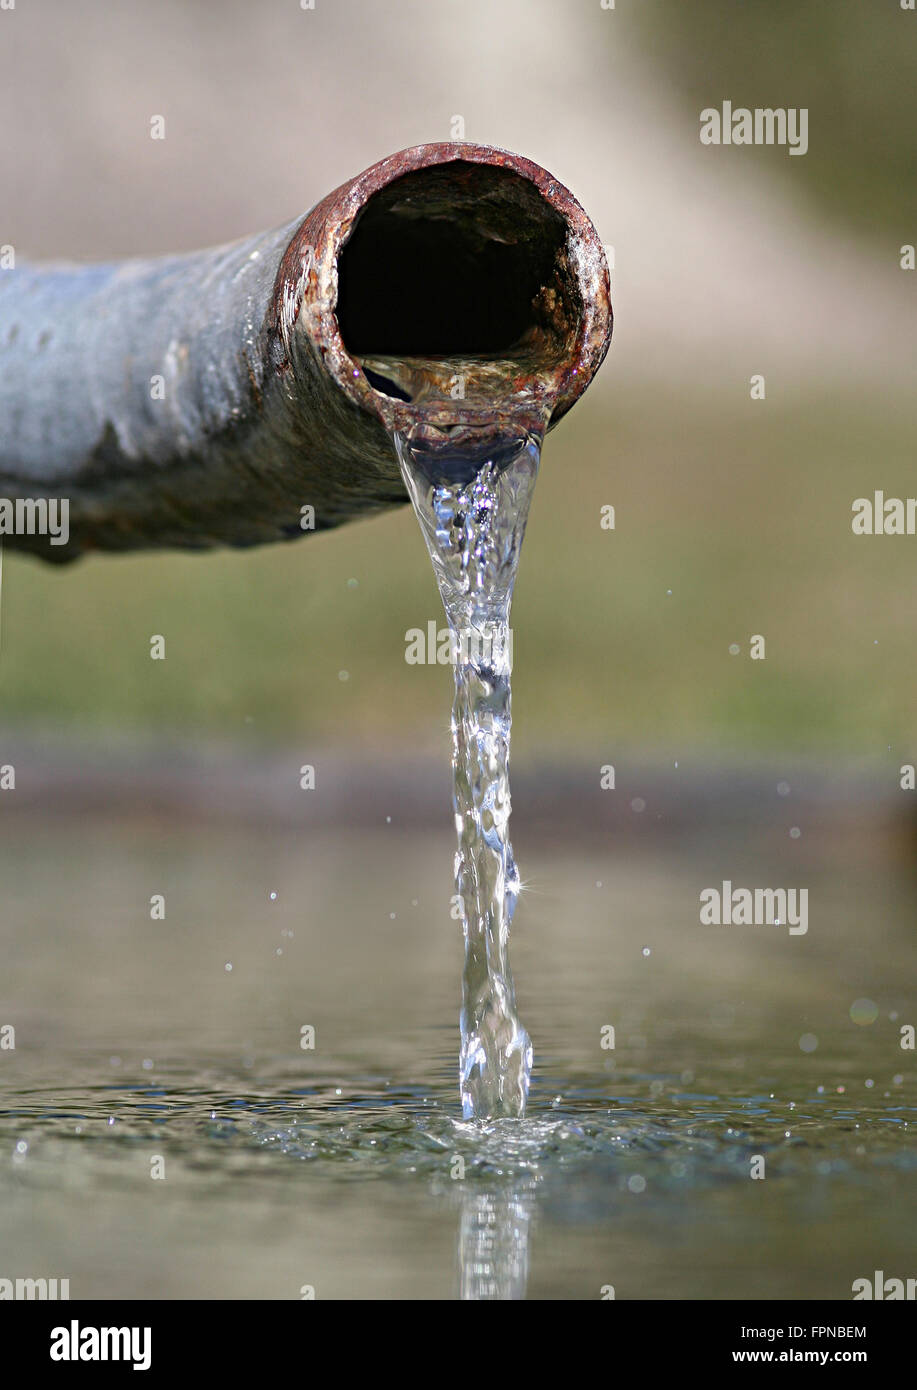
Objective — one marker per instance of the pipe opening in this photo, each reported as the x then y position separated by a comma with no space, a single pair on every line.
457,260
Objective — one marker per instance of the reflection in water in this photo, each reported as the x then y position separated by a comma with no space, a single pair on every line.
493,1241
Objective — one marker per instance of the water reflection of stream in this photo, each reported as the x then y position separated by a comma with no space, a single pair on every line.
493,1241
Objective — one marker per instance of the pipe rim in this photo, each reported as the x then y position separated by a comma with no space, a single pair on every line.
305,294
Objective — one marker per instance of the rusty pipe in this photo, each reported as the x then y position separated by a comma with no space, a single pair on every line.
214,398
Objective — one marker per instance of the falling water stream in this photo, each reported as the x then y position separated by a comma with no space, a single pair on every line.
472,500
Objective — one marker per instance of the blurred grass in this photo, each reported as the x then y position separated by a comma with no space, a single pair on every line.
850,64
741,509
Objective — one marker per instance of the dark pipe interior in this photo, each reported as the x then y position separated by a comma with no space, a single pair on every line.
447,261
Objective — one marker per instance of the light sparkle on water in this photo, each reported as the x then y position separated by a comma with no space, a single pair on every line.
472,502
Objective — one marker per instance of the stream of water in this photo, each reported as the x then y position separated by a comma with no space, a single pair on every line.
472,501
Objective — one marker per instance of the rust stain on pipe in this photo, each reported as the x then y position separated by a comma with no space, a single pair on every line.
579,299
289,358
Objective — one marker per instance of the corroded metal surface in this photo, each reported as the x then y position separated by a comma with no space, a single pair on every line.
206,399
311,262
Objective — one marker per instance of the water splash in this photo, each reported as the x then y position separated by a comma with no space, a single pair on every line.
472,500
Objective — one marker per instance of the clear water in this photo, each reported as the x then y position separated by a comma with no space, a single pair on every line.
472,501
336,1168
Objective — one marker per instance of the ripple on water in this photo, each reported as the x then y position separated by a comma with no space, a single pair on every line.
674,1139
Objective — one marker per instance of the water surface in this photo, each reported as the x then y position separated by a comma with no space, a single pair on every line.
348,1168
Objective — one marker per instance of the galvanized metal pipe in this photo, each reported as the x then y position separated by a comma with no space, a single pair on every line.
206,399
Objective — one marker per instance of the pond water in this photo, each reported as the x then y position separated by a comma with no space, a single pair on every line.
164,1132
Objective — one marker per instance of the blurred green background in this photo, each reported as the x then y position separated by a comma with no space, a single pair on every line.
850,64
741,512
732,515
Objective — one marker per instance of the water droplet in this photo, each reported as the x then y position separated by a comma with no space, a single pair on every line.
636,1183
783,788
864,1012
808,1042
343,675
734,649
646,950
228,966
795,832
